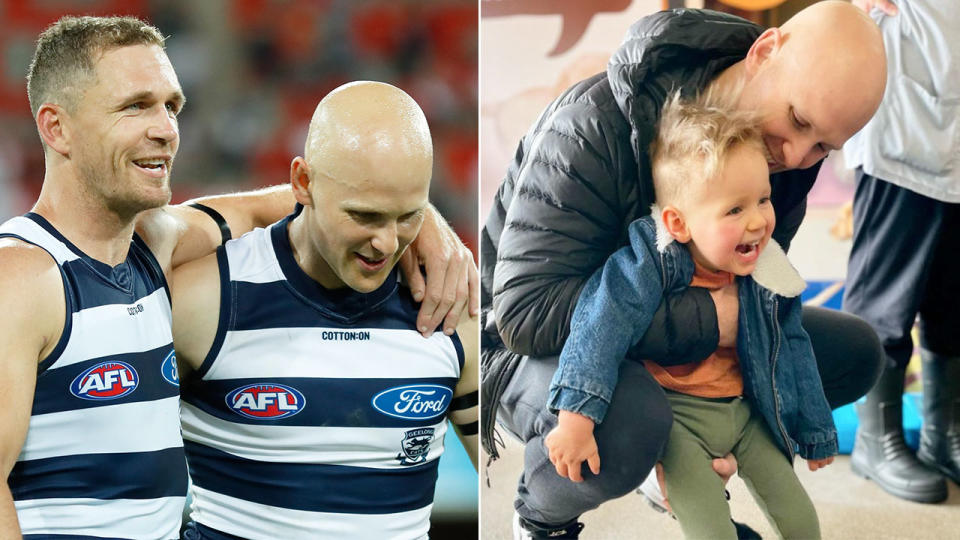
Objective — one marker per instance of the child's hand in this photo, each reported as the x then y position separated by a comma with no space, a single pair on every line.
572,442
815,464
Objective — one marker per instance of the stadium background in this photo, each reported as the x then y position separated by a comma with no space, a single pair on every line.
253,71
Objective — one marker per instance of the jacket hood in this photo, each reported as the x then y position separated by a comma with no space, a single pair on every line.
681,48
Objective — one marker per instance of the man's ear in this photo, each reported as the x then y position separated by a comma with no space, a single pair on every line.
53,127
675,224
763,49
300,181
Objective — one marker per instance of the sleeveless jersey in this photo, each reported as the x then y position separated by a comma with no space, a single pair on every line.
103,456
317,413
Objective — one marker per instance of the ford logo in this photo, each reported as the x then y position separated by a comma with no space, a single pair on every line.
168,369
413,402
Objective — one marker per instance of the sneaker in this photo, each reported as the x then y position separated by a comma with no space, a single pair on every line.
525,530
650,490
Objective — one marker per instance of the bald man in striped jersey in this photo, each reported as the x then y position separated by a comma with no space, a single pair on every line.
312,407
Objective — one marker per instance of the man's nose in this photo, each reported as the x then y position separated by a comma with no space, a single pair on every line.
801,153
385,240
794,152
163,126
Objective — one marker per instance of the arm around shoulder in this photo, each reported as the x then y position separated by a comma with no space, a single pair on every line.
464,409
34,308
195,288
180,234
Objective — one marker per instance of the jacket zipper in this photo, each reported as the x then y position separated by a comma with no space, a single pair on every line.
489,421
773,380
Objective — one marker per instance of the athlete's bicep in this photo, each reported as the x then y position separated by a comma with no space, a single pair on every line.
226,215
197,234
195,290
464,409
33,307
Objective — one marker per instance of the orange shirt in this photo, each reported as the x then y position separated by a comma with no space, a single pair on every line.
716,376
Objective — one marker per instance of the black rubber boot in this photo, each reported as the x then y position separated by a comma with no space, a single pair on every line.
940,436
880,452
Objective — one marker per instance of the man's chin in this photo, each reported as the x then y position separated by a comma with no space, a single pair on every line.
368,283
133,206
157,199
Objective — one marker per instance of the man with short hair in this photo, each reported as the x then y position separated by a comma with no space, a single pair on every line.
90,431
582,174
312,407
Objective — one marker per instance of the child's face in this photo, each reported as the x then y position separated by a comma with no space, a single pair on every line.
730,221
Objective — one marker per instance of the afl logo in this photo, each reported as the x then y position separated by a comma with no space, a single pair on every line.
107,380
413,402
266,401
168,369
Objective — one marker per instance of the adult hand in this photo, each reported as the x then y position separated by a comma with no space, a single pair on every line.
726,467
728,309
571,443
814,464
885,6
451,280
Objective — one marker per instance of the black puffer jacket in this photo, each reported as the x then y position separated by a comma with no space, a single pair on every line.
581,175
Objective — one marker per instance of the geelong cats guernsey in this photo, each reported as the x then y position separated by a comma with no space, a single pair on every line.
317,413
103,455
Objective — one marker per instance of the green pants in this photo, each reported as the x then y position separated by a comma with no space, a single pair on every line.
704,429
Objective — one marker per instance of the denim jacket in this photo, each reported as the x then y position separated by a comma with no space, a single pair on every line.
780,376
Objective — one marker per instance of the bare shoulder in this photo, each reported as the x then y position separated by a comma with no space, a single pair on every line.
195,288
31,298
160,229
19,257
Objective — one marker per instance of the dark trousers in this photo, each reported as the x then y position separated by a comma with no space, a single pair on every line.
639,418
904,263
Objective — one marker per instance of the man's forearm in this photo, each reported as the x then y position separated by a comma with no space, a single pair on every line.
9,526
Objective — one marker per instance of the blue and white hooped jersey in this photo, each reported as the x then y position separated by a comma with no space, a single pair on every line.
103,455
317,413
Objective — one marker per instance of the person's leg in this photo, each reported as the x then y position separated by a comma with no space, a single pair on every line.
770,477
629,440
849,355
894,231
702,430
940,352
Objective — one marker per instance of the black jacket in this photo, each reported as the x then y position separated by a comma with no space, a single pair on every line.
581,175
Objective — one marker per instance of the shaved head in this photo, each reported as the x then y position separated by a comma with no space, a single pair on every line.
365,125
364,183
843,47
815,82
